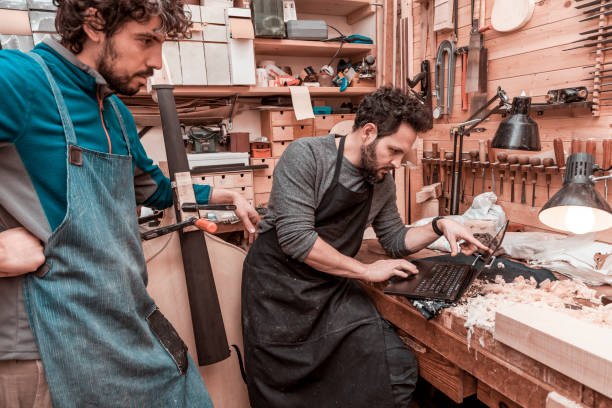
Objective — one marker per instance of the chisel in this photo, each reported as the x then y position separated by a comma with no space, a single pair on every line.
607,161
593,44
576,147
592,38
474,166
537,168
595,30
594,16
502,157
482,157
514,166
525,167
591,148
493,163
550,169
597,8
590,3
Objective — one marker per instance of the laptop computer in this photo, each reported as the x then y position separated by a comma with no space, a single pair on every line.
443,282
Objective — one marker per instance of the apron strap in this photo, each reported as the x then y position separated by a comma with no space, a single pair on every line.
59,100
339,159
121,123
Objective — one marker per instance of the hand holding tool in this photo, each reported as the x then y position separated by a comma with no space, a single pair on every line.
525,167
201,223
538,168
474,166
549,169
502,157
514,166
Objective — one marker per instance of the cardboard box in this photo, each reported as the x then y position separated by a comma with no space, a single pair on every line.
14,5
213,15
41,5
215,33
40,37
242,62
14,22
42,21
24,43
193,67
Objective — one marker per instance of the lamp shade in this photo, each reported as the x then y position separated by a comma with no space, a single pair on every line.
518,131
577,207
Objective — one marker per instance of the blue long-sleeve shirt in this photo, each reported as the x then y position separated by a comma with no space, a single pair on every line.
30,121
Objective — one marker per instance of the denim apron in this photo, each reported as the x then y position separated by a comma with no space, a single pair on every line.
102,340
313,339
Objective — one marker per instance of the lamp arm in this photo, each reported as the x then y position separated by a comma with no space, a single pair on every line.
594,179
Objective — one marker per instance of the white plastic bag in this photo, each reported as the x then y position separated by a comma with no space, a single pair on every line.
483,208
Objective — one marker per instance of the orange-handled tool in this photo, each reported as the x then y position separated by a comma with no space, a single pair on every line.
206,225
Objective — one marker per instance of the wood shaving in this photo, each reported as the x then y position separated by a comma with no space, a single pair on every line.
570,297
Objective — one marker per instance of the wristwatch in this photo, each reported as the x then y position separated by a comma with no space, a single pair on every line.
434,225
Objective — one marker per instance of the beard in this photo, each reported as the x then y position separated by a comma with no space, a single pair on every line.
369,164
107,68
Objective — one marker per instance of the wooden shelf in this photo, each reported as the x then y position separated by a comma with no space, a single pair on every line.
298,48
333,8
246,91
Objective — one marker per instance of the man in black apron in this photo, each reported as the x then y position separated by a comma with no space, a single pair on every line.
312,337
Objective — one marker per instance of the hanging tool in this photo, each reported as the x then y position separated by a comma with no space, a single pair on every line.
595,30
593,44
588,4
444,107
576,146
592,38
473,165
193,207
591,148
514,166
482,158
597,8
466,163
594,16
435,162
423,78
502,158
449,158
476,44
463,53
443,179
567,95
559,152
525,167
607,161
550,169
493,163
426,161
537,166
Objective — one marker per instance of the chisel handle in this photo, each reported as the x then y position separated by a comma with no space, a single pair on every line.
591,148
490,152
559,152
576,146
482,151
607,154
206,225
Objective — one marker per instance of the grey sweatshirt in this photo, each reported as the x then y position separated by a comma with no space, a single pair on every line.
302,176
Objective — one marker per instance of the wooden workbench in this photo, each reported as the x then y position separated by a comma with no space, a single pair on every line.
498,374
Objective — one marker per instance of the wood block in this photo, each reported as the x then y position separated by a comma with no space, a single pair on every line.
270,162
217,64
573,347
262,184
454,382
303,131
185,194
205,179
215,33
278,148
443,15
261,199
429,192
213,14
280,133
430,208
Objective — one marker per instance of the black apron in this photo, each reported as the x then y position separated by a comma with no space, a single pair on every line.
313,339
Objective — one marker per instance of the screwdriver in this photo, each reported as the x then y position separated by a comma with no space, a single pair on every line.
550,169
514,166
525,166
538,168
449,157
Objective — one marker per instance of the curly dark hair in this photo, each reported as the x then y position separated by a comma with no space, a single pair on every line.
71,15
388,107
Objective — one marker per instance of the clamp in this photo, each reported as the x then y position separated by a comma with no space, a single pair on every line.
446,47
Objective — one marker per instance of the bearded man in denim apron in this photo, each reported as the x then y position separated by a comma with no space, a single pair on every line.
73,170
312,337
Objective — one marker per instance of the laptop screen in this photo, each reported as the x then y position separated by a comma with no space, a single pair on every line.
495,243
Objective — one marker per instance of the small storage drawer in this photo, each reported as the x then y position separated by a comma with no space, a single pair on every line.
231,180
278,148
262,184
270,162
280,133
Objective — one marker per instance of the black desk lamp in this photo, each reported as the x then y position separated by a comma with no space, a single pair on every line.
577,207
518,131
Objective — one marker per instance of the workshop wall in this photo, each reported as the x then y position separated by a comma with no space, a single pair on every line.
528,60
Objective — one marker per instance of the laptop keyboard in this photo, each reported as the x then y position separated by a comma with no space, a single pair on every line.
444,280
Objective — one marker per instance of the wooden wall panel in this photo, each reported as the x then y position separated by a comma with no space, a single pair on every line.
530,60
